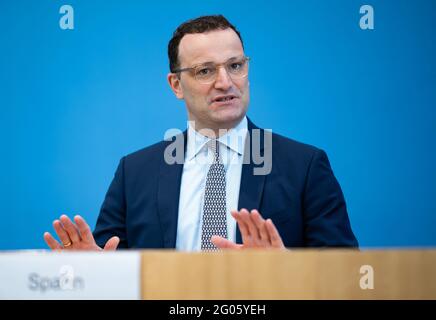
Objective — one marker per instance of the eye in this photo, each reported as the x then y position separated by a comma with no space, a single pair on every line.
204,71
235,66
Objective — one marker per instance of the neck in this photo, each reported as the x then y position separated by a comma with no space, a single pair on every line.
213,131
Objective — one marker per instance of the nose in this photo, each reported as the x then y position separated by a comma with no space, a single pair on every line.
223,80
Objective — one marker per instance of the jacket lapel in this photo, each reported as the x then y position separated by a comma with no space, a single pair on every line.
251,189
170,176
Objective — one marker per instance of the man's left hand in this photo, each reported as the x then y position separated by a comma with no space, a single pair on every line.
256,232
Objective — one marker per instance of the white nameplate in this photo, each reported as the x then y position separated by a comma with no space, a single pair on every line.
70,275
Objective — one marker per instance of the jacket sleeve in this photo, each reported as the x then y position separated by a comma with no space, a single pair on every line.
326,221
112,218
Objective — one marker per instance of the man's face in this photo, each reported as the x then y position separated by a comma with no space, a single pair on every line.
204,101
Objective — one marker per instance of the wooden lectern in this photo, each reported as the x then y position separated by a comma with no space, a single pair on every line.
297,274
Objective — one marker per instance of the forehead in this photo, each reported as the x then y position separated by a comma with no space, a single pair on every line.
216,46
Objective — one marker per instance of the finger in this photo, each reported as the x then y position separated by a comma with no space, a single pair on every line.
223,243
60,231
252,229
276,240
112,244
245,234
85,231
261,227
51,242
71,229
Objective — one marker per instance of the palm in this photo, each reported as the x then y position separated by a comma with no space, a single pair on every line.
255,232
76,236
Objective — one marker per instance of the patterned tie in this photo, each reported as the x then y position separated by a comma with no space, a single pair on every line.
214,209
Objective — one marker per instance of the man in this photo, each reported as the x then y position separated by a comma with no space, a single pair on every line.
214,199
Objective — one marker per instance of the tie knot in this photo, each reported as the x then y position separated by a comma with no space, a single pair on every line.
213,145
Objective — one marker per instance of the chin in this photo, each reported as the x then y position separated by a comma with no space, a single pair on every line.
228,118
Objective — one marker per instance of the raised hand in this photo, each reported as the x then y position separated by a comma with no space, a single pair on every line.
256,232
76,236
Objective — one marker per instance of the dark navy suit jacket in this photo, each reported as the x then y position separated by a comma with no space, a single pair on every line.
301,196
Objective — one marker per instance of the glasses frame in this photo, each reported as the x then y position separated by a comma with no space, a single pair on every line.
217,65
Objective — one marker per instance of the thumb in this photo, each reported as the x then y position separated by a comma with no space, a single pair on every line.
223,243
112,244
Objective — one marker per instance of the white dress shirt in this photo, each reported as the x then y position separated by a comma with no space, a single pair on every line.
198,158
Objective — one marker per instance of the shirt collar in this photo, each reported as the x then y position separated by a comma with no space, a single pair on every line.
234,139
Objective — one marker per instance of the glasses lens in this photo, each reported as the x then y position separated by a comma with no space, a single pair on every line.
237,68
205,73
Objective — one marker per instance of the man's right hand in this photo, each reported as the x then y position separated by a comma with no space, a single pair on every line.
76,236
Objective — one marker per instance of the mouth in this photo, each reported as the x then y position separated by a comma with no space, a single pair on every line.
226,98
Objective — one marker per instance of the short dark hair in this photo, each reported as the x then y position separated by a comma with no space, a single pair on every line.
198,25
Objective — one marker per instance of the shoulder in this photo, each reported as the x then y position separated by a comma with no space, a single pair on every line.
287,147
147,153
289,154
148,158
153,154
286,144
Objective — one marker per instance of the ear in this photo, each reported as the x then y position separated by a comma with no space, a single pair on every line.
174,82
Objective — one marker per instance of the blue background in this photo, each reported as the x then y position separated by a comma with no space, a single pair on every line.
73,102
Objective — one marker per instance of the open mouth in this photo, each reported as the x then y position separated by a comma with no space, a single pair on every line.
224,98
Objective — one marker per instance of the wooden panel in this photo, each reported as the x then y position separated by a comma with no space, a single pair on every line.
299,274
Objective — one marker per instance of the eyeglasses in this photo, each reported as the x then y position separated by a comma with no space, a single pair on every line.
237,68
